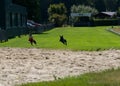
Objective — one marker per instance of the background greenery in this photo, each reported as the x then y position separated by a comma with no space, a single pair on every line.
37,9
57,14
104,22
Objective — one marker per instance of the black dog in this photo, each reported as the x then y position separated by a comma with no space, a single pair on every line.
64,41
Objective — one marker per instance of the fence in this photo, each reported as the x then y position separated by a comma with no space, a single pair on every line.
3,36
12,32
42,28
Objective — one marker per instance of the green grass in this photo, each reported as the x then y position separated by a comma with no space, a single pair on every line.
79,38
106,78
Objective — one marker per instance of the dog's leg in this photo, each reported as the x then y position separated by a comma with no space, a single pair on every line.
35,42
31,43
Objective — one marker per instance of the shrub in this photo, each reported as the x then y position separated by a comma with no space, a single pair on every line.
105,22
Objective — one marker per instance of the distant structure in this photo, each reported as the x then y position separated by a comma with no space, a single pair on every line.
13,18
106,18
106,15
84,19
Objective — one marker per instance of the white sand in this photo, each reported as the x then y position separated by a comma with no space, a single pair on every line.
31,65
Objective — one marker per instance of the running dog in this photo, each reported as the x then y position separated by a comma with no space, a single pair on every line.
64,41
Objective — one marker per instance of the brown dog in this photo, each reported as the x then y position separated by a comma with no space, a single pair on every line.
31,40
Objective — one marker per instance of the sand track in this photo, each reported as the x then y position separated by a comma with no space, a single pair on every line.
31,65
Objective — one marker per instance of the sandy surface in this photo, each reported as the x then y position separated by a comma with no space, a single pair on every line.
30,65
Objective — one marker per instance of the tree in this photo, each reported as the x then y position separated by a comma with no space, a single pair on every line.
100,5
118,11
44,4
118,3
83,9
110,5
57,14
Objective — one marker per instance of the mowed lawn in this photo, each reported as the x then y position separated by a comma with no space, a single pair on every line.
78,38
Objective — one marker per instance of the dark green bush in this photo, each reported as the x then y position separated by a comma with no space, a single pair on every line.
105,22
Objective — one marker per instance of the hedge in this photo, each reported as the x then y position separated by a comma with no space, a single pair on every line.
105,22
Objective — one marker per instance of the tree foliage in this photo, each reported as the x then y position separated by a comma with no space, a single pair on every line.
118,12
83,9
57,14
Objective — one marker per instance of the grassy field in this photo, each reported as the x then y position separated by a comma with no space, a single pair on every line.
79,38
106,78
